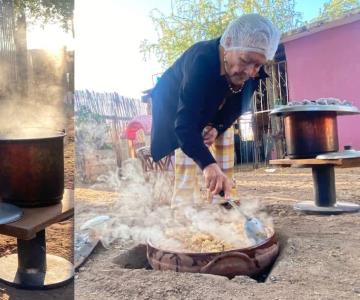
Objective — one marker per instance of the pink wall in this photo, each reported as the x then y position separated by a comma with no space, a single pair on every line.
327,64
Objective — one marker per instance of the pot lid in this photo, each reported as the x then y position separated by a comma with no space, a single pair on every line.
9,213
322,104
339,109
351,153
30,133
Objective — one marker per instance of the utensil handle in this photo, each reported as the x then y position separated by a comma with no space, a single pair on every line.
233,205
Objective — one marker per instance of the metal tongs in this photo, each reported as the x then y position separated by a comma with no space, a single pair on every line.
254,228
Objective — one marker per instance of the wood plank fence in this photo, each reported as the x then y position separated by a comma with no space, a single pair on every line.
111,106
117,112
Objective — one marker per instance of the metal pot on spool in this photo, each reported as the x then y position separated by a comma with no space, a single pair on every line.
310,133
32,167
311,129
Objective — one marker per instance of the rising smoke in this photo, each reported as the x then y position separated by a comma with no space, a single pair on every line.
42,103
142,214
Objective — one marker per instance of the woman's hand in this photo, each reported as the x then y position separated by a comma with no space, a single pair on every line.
216,181
209,135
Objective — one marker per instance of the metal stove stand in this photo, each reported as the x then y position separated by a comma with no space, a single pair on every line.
31,267
323,173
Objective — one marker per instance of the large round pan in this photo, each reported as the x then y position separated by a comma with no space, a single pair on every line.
246,261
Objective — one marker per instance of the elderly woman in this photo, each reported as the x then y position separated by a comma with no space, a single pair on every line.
199,97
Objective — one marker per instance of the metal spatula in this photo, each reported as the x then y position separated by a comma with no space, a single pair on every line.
254,228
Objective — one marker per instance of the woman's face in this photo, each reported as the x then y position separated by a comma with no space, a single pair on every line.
241,65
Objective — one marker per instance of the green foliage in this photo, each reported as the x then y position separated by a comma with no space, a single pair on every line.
91,130
335,8
47,11
84,114
195,20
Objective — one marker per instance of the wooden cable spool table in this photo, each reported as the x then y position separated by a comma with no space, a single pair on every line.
323,173
32,267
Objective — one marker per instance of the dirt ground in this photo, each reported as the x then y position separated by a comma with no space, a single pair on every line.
59,237
319,256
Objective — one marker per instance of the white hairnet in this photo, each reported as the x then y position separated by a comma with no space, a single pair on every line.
251,32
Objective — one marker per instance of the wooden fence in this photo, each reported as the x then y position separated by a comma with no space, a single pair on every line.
116,110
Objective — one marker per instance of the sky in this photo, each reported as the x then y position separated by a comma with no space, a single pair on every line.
107,43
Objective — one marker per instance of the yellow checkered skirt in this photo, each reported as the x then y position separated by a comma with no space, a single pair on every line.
189,183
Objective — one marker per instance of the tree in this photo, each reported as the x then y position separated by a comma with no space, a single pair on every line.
335,8
191,21
46,11
43,11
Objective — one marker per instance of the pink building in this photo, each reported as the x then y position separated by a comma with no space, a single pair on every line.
323,60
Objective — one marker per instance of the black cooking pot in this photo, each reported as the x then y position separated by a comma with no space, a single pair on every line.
32,167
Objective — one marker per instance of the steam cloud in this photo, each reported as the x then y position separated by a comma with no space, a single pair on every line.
142,214
19,114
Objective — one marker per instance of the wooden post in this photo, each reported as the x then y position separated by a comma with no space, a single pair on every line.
116,142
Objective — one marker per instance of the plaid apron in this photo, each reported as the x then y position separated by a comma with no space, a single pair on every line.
190,186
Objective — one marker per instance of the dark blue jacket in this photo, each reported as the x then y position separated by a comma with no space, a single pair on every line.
187,98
